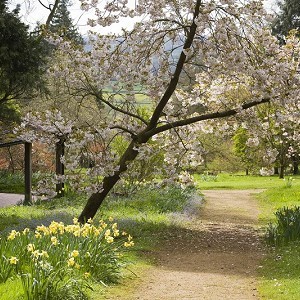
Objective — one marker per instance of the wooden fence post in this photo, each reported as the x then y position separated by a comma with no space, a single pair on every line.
28,173
60,168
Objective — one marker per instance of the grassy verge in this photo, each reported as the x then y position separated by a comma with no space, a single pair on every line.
242,182
280,271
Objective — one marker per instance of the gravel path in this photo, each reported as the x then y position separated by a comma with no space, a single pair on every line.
10,199
215,258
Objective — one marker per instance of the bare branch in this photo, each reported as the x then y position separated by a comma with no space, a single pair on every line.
211,116
175,78
125,112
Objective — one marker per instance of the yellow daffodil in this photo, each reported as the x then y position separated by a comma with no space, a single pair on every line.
54,240
13,260
30,247
75,253
128,244
71,262
25,231
87,275
109,239
44,254
13,235
37,234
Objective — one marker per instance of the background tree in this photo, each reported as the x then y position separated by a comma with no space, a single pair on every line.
62,23
287,18
21,60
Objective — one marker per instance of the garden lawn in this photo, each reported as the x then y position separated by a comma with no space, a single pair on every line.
280,271
241,182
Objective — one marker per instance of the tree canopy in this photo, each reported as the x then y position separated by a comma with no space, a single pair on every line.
62,23
21,57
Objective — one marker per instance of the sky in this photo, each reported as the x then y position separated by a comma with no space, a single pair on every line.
32,12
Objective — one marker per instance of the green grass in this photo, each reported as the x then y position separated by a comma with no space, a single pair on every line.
280,272
11,290
277,197
242,182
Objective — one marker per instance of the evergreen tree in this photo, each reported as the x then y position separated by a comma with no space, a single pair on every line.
62,23
21,61
287,19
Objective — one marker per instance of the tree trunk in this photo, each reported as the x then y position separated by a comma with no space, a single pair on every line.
247,172
281,173
276,170
109,182
295,165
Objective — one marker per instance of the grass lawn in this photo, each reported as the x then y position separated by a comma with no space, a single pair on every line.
242,182
280,272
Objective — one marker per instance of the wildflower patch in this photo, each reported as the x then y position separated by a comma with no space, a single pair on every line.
61,261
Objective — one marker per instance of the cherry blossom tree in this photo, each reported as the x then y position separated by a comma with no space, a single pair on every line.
201,63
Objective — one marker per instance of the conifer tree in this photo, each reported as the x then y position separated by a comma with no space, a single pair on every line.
62,23
287,19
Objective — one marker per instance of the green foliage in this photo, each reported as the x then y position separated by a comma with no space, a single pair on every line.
287,19
21,56
208,177
62,24
286,228
153,199
10,112
11,182
289,182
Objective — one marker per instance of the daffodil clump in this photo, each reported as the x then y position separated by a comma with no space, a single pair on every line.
59,261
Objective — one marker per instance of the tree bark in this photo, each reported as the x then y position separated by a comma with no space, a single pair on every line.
281,172
295,165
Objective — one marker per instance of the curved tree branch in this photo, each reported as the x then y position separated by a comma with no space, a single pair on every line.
175,78
210,116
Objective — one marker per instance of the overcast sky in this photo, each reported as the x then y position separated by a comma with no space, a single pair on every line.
33,12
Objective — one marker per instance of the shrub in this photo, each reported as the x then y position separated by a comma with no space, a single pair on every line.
59,261
286,228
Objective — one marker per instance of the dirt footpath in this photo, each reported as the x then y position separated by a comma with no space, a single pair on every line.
216,257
